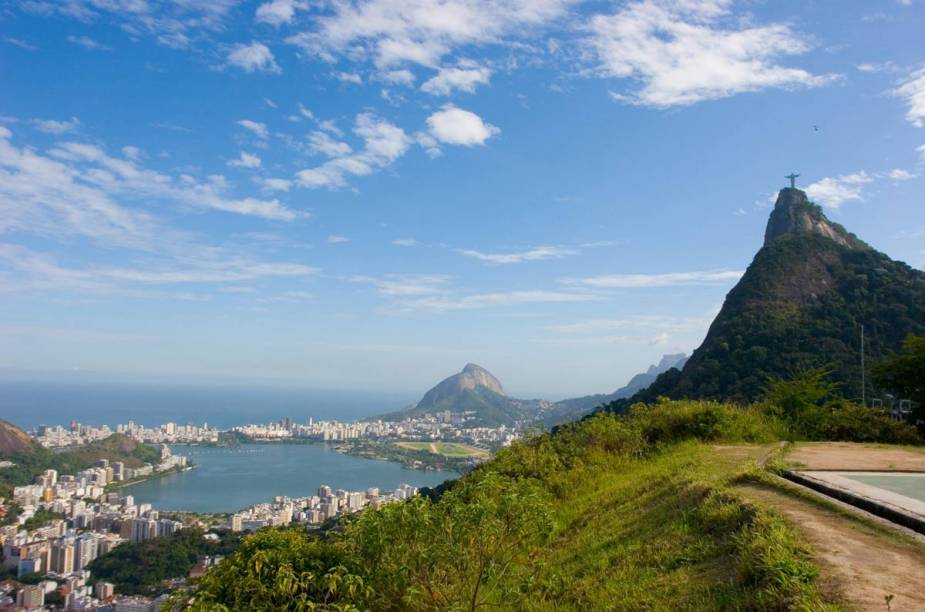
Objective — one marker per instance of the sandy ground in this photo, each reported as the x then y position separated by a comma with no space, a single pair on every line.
857,565
849,456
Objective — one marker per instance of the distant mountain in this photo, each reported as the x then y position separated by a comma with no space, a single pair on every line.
801,304
575,408
14,440
475,390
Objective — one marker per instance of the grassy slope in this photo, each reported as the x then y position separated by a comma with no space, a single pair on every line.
642,513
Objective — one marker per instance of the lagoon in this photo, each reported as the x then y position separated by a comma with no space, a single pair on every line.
229,479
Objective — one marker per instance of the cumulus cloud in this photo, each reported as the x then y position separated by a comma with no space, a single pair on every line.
463,78
421,31
275,184
453,125
245,160
383,143
671,279
255,57
52,126
912,91
685,52
279,12
834,191
534,254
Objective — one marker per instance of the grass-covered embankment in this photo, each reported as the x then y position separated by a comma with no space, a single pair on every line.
637,511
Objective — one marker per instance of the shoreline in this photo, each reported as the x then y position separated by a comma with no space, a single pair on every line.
116,486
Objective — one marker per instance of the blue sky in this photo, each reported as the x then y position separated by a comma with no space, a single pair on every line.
373,193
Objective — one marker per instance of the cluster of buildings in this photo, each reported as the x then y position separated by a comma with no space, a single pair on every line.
316,509
442,426
56,436
83,520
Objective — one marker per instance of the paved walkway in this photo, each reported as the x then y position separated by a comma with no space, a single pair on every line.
845,482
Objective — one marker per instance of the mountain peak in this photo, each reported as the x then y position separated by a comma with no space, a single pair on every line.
470,378
794,214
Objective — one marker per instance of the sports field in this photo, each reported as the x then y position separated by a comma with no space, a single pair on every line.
446,449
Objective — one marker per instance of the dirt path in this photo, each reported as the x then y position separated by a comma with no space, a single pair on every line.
850,456
857,565
433,448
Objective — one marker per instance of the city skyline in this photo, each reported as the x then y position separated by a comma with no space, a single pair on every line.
372,194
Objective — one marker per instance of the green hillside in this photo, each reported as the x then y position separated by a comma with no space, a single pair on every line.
490,409
37,459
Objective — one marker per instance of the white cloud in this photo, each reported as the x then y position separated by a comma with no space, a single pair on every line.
832,192
634,281
132,153
16,42
77,189
255,57
921,151
898,174
270,103
321,142
912,91
463,78
534,254
405,242
335,239
278,12
275,184
835,191
392,32
88,43
51,126
245,160
456,126
406,285
349,77
398,77
683,52
486,300
258,129
383,143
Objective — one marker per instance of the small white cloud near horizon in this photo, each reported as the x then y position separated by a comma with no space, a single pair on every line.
245,160
52,126
534,254
335,239
255,57
671,279
405,242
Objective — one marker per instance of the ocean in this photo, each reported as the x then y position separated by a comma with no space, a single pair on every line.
30,404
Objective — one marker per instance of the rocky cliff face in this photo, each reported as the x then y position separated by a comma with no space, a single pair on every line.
471,378
794,214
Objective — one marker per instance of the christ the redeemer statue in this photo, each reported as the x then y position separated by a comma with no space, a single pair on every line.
793,180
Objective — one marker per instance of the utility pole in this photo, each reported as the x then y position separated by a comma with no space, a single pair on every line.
863,372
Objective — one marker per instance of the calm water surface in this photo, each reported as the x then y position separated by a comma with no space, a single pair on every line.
228,479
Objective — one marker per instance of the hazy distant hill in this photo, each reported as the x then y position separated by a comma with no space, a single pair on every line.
473,389
575,408
13,439
801,304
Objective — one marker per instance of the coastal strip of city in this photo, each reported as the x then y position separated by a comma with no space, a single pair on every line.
56,527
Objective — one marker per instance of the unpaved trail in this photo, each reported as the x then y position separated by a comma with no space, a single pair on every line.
857,565
848,456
